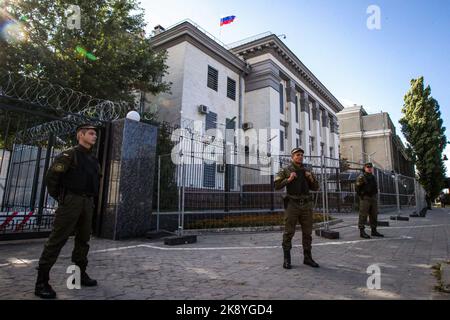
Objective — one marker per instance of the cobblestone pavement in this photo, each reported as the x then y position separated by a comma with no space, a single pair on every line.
247,266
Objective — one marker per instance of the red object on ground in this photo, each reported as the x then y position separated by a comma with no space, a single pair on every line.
24,221
8,220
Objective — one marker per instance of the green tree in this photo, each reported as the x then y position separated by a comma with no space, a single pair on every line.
423,129
108,57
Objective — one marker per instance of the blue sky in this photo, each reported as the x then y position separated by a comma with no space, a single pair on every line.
358,65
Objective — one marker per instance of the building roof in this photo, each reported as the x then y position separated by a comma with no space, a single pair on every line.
272,43
189,31
234,57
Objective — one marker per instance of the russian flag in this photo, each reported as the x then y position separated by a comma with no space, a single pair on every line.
227,20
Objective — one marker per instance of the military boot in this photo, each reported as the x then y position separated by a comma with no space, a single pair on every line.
375,233
287,259
87,281
43,289
308,260
363,234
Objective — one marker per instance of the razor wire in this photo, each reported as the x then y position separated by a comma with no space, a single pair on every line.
77,106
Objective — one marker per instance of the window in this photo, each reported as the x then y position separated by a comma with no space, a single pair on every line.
213,78
309,116
229,135
231,175
311,143
299,133
297,143
281,99
296,109
230,124
211,120
209,170
331,152
231,89
281,140
209,175
320,115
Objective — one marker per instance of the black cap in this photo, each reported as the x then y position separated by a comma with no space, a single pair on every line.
86,125
295,150
368,165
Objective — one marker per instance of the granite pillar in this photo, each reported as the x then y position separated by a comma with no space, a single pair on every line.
130,174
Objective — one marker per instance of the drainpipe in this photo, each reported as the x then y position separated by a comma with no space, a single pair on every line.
240,114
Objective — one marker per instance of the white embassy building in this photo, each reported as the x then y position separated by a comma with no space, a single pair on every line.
260,82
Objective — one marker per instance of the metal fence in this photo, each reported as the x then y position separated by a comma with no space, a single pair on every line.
202,194
37,122
25,206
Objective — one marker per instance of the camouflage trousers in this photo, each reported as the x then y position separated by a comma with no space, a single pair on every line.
74,215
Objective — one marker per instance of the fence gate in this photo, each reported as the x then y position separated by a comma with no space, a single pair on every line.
29,141
37,122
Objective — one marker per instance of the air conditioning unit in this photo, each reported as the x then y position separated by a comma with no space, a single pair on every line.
221,168
203,109
247,126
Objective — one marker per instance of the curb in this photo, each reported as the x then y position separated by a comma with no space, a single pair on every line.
254,229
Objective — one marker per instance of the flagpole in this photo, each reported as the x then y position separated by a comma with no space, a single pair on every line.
220,29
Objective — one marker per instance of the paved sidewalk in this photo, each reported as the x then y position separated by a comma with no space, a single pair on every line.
247,266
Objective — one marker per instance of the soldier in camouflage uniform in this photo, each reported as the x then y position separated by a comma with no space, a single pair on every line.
298,206
73,180
367,190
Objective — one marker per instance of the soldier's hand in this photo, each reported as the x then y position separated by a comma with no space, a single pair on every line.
292,176
308,174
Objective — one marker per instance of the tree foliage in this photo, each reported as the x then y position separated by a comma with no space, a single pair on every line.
108,57
423,129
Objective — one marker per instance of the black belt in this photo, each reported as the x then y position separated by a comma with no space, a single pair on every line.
82,194
370,196
304,199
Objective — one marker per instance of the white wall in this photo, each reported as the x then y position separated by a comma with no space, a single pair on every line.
168,105
196,91
303,125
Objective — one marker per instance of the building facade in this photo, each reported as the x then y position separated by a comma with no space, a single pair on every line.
260,82
372,137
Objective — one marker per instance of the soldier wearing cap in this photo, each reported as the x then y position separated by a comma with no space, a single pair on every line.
367,190
298,206
73,180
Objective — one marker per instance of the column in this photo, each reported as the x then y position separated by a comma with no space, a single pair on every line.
316,127
290,128
304,119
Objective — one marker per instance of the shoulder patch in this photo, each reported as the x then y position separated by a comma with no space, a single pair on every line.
58,167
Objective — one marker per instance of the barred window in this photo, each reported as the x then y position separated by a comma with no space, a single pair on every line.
231,89
209,175
213,78
311,143
281,140
211,121
281,99
209,170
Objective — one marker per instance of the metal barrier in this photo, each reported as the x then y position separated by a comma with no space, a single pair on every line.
202,194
